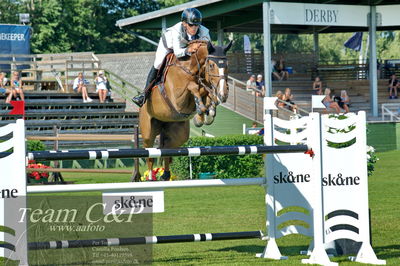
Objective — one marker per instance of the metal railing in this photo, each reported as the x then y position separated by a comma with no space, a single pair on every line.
250,105
392,110
123,88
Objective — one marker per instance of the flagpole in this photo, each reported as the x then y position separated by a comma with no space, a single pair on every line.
360,59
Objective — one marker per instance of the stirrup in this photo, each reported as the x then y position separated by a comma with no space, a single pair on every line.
139,100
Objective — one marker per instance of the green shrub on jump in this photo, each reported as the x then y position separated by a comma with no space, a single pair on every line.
224,166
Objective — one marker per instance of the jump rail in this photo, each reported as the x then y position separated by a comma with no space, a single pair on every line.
107,187
106,242
157,153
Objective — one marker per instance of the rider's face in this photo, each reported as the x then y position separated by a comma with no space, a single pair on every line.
191,29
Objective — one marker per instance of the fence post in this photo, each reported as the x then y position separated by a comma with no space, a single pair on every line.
255,106
56,176
234,95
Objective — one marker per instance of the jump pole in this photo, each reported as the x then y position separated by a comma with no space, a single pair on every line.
63,244
143,186
157,153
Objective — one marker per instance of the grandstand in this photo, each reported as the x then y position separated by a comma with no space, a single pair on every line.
50,101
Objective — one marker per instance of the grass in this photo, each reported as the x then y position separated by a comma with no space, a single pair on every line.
202,210
225,119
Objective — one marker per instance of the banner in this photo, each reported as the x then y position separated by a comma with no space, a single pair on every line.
14,39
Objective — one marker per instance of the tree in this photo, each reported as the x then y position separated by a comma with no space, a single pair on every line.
49,32
9,10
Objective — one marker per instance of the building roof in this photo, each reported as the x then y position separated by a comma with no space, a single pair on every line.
242,16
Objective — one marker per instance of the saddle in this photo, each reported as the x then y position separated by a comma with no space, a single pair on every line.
169,60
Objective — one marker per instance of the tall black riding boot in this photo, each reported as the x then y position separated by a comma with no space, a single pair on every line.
140,99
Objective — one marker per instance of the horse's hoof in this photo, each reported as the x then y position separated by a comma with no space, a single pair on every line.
211,112
208,120
166,176
197,121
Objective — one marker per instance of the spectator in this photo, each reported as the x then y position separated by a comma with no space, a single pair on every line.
274,69
317,86
4,91
16,87
288,97
279,95
260,86
344,101
282,69
101,86
254,125
79,87
251,84
393,86
329,103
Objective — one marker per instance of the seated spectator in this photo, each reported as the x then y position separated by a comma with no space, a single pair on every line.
101,86
3,90
254,129
16,87
288,97
251,84
344,101
260,86
279,95
275,73
280,66
329,103
393,86
79,87
317,86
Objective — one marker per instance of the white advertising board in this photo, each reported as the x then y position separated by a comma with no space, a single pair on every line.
318,14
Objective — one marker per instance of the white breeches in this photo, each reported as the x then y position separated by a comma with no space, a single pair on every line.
160,54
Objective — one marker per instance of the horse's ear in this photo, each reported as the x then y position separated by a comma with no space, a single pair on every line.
210,47
226,48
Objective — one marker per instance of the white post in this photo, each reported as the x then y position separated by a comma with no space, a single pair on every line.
373,79
271,251
13,168
267,49
318,255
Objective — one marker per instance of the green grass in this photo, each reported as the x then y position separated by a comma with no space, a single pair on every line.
225,119
202,210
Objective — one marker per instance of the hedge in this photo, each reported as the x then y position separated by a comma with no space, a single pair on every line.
225,166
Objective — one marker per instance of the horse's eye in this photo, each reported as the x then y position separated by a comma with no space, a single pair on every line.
212,66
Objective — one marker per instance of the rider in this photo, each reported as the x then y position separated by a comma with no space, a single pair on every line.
176,39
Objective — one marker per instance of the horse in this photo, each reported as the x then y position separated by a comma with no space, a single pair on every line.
191,87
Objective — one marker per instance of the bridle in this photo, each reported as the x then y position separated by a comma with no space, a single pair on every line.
221,62
204,79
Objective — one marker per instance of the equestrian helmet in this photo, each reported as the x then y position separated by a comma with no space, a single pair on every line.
191,16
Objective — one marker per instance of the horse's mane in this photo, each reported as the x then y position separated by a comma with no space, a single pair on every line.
203,42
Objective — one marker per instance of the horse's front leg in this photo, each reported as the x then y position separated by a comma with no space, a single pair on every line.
194,89
211,110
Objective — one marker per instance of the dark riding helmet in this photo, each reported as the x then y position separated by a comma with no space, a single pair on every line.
191,16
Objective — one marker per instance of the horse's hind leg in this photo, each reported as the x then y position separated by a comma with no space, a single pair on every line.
173,136
149,128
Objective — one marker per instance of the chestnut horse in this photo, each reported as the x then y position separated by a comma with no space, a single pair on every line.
192,86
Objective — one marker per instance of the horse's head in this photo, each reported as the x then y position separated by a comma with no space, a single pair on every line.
199,57
216,70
